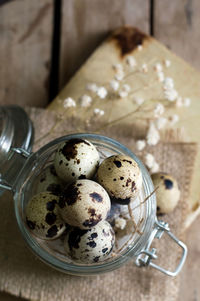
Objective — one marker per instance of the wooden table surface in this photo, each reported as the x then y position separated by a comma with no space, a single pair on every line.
44,42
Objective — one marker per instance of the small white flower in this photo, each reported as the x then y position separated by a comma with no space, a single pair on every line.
160,76
69,102
120,223
144,68
123,93
126,88
138,100
119,75
98,112
167,63
117,67
159,109
160,123
158,67
139,47
168,83
154,168
179,102
186,102
153,135
171,94
85,100
149,160
102,92
174,119
92,87
140,145
114,85
130,60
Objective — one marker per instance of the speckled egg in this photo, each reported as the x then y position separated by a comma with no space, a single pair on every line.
90,246
49,181
167,194
120,175
76,159
84,204
42,216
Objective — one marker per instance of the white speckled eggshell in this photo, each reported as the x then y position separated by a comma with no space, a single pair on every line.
90,246
49,181
120,175
42,216
76,159
167,194
84,203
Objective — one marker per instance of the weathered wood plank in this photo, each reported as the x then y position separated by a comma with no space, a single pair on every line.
86,23
25,51
177,26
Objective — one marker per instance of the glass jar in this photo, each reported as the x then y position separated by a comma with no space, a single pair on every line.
137,245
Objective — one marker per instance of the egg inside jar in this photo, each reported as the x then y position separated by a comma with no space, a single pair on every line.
87,204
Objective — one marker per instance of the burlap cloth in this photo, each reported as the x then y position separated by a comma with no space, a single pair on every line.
22,274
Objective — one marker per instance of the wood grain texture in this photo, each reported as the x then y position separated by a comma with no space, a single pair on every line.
25,52
86,23
176,24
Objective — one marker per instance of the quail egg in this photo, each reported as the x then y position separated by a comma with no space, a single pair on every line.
92,245
84,204
76,159
42,216
120,175
167,194
49,181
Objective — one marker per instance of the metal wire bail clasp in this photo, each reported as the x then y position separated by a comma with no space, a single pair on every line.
146,256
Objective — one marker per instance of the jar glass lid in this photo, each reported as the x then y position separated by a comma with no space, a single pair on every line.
16,131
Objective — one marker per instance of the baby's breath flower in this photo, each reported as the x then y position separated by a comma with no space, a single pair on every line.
144,68
114,85
160,123
186,102
158,67
171,94
153,135
98,112
126,88
179,102
173,119
138,100
119,75
154,168
69,102
167,63
85,100
159,110
140,144
139,47
120,223
122,93
149,160
117,67
160,76
92,87
130,60
102,92
168,83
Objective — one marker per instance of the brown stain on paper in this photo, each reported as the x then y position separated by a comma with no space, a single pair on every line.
128,39
35,23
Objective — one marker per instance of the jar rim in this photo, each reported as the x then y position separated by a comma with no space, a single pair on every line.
72,268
